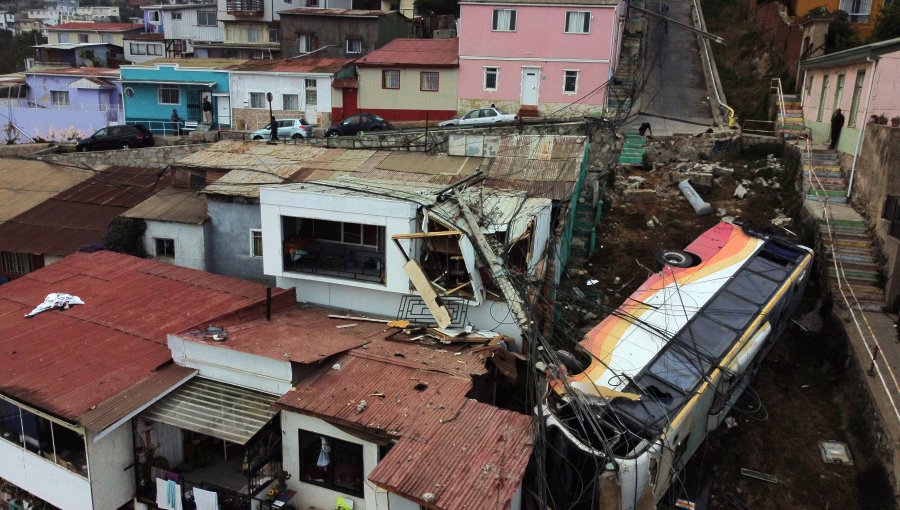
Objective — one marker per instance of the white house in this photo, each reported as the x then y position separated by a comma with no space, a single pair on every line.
183,25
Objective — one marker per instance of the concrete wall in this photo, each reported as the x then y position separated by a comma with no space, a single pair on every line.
112,485
60,125
230,240
875,178
21,150
149,157
190,242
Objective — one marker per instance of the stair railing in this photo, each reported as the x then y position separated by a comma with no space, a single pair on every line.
775,84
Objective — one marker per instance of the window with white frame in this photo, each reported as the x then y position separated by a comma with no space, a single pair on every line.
504,20
176,15
59,98
390,79
165,248
63,38
857,10
84,38
106,38
138,49
354,46
254,33
154,49
570,81
256,246
312,96
257,100
290,102
304,43
490,78
274,35
428,81
168,94
578,22
207,18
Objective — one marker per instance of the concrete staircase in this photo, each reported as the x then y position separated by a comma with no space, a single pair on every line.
790,125
621,89
633,151
822,176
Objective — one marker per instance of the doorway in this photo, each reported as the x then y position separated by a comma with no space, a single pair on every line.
531,80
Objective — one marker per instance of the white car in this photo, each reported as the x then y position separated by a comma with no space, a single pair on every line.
287,129
489,115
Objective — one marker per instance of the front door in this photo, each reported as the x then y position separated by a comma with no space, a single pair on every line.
223,110
531,80
350,107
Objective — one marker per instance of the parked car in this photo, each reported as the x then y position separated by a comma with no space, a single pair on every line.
294,129
481,116
116,137
359,122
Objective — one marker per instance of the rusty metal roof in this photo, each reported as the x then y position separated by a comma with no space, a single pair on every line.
296,65
25,184
299,333
177,205
70,362
353,13
78,216
474,460
414,53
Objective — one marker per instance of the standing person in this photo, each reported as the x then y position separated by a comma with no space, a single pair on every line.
837,122
207,111
273,126
177,121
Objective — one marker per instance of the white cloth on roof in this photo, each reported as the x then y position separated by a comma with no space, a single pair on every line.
56,300
206,500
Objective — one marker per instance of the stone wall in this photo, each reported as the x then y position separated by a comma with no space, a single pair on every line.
21,150
149,157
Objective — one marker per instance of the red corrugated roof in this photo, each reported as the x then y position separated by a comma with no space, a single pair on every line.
80,71
414,53
474,460
78,217
68,362
96,27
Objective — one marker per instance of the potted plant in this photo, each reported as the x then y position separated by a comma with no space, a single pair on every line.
281,478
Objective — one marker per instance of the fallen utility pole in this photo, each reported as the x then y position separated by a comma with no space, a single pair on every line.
498,272
711,37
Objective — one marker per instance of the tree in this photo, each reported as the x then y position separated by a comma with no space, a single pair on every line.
887,24
16,48
840,35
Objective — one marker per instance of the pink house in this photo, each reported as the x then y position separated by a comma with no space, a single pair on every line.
537,56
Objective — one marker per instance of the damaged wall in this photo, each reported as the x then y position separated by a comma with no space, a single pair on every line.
149,157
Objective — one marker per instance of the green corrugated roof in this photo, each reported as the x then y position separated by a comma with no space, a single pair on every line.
853,55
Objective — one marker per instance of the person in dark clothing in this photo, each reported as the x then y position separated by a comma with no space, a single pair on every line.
644,129
177,121
207,111
274,127
837,122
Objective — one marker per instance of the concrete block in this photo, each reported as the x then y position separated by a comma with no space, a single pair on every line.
639,196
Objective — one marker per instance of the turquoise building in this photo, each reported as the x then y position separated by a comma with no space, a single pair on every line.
153,89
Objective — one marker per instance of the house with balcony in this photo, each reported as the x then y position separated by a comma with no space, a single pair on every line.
300,87
67,434
534,58
410,79
341,33
85,44
153,89
66,104
182,25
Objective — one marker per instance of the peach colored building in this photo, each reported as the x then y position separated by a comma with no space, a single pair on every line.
860,81
537,56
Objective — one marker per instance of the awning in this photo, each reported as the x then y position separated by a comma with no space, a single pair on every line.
168,82
216,409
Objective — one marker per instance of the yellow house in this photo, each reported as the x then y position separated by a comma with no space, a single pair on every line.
92,33
862,13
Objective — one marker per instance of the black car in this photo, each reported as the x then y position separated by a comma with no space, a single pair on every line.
116,137
359,122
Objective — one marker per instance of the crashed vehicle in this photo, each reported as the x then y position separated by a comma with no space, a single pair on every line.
638,395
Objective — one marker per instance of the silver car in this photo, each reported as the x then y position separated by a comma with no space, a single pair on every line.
294,129
489,115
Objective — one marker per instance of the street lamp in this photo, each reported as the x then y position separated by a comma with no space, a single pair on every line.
272,125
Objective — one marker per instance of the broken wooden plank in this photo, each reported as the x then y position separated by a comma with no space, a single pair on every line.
759,476
426,291
420,235
363,319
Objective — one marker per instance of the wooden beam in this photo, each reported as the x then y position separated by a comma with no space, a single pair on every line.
420,235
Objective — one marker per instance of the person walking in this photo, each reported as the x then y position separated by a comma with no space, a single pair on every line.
207,111
837,123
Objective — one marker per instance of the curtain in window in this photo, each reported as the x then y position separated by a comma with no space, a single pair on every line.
428,81
504,19
578,22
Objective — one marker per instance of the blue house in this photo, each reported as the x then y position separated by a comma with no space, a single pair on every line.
152,89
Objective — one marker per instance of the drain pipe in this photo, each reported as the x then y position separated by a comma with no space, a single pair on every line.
862,133
713,75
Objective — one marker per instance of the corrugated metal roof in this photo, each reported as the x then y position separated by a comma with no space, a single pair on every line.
145,37
355,13
80,71
78,216
216,409
203,63
155,385
299,333
172,204
296,65
25,184
475,460
67,362
414,53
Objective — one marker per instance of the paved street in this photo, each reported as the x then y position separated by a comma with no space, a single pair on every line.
675,96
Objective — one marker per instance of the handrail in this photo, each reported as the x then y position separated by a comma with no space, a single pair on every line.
713,73
775,83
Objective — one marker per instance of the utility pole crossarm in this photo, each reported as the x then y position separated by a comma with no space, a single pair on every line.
712,37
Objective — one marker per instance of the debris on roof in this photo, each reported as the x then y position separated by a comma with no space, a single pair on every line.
55,300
